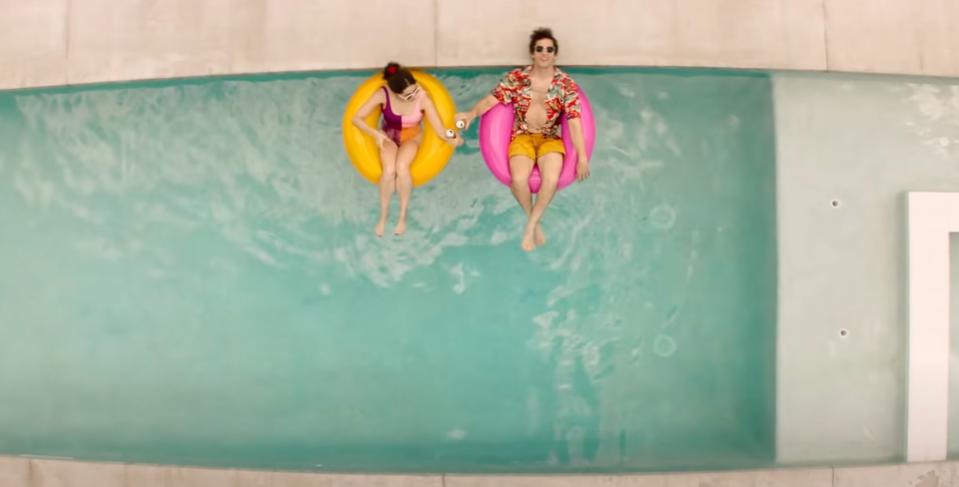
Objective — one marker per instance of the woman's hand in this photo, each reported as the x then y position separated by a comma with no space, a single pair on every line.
456,140
382,141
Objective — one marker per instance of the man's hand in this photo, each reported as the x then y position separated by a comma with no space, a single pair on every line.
582,169
466,117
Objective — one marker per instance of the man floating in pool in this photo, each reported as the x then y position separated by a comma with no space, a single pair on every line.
540,94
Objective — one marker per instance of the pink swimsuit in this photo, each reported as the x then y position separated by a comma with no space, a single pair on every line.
400,128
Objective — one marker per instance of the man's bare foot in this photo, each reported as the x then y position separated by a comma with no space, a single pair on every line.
400,228
380,228
539,238
529,240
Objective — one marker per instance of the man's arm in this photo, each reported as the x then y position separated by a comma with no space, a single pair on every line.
579,144
481,107
502,93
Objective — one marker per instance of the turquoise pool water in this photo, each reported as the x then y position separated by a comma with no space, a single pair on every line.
190,277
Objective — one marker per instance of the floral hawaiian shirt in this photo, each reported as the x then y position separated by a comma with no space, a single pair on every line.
561,97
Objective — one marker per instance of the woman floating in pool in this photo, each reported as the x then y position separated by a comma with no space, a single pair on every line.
404,104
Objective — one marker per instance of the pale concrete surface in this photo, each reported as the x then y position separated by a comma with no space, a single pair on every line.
297,35
913,475
113,41
56,42
741,34
14,472
893,36
62,473
33,43
48,473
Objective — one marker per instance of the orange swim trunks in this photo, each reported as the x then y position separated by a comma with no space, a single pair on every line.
535,145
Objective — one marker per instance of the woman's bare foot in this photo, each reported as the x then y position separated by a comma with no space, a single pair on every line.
539,238
529,239
400,227
380,228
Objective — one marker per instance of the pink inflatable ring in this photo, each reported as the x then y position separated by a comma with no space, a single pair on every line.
495,134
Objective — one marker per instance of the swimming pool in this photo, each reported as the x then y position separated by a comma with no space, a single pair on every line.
191,277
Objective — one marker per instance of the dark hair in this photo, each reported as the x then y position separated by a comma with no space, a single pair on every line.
397,77
540,34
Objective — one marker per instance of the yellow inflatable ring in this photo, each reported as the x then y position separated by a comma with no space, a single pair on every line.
434,152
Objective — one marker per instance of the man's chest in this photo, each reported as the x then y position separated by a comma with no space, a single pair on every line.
541,92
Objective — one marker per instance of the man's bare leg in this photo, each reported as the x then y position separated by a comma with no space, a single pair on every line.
550,166
520,168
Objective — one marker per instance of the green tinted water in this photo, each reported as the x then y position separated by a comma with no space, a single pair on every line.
190,277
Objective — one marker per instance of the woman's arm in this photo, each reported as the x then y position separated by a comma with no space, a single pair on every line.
378,98
433,117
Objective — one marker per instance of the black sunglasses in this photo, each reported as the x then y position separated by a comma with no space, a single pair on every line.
549,49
